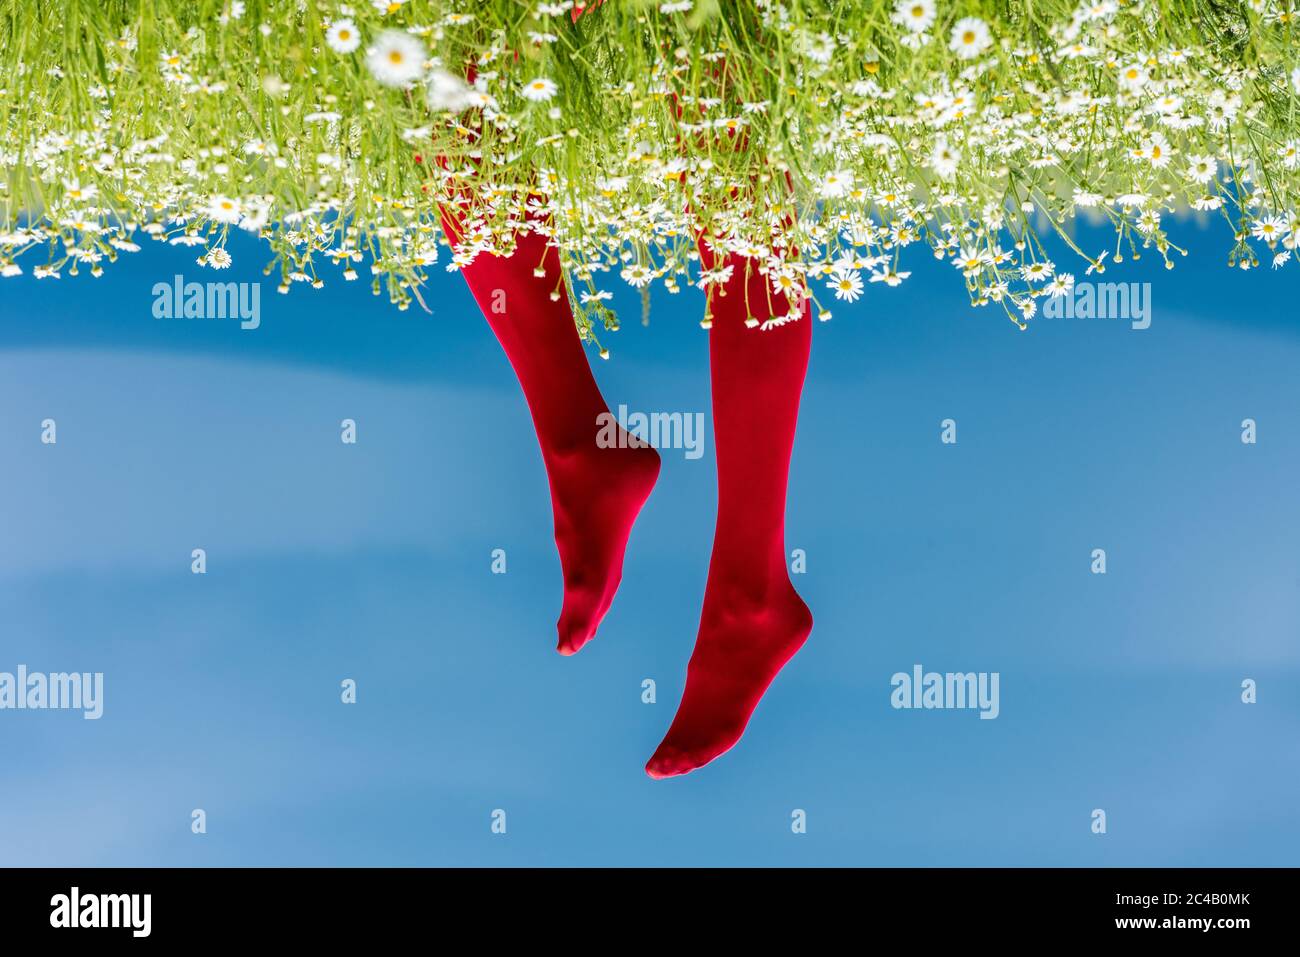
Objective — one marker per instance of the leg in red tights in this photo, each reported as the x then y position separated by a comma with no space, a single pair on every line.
752,622
596,493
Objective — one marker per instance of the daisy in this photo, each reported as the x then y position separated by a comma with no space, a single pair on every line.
1037,272
776,322
1148,222
1221,108
1292,239
971,262
447,92
1076,50
846,286
396,59
1132,77
539,90
223,209
785,282
1168,105
715,277
916,15
1202,168
889,277
1157,151
1268,228
944,159
1060,286
216,258
836,184
970,37
342,36
822,49
73,189
636,275
1099,11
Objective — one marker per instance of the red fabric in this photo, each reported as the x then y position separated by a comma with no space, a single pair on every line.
596,493
753,621
580,8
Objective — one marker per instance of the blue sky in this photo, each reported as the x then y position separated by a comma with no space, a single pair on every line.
372,562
